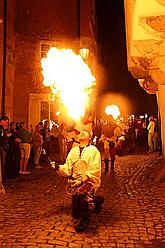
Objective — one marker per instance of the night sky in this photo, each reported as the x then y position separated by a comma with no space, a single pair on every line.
111,37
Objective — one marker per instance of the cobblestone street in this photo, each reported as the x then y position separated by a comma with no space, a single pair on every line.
35,212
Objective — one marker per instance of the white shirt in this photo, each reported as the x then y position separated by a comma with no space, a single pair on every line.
88,163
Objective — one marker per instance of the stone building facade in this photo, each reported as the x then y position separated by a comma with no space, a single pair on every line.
7,56
27,30
145,36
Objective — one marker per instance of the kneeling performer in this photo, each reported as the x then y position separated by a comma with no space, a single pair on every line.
83,166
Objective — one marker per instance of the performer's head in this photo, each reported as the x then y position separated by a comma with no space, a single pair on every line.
84,138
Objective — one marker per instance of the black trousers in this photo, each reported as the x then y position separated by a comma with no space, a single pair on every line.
80,208
2,164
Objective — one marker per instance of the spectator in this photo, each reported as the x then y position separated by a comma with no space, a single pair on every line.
130,134
37,142
13,152
54,146
139,132
62,141
107,152
45,132
4,123
156,135
150,128
25,137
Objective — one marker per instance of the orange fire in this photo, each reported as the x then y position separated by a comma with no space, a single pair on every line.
70,78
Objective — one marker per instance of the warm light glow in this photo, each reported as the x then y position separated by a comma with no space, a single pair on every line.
84,52
112,110
70,78
145,115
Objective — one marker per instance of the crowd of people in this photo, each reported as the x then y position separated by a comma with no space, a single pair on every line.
22,145
126,135
17,142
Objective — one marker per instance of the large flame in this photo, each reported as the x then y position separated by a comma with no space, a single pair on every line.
70,77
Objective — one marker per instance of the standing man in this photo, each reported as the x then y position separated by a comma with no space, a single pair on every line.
83,164
4,123
108,138
150,128
108,152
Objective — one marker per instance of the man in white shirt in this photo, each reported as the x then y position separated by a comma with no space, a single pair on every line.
83,163
150,129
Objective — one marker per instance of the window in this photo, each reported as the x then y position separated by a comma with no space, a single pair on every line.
44,110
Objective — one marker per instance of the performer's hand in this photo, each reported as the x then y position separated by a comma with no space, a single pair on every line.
77,183
54,166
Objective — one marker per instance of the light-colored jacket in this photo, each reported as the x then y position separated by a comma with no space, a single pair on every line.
151,127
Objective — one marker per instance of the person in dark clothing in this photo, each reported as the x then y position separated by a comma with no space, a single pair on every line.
45,132
130,134
4,123
13,153
107,138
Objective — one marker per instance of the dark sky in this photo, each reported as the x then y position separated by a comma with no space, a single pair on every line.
111,37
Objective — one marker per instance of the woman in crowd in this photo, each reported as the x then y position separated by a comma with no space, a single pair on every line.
37,142
25,147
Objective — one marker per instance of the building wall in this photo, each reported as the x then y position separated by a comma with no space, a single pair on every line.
39,22
1,47
43,19
145,32
7,52
10,58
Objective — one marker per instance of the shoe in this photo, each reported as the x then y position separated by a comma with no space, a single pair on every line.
38,167
20,172
26,172
82,226
98,201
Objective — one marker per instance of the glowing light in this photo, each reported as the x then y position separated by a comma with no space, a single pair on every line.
94,140
112,110
70,78
84,52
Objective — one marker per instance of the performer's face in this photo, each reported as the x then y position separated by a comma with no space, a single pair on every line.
84,136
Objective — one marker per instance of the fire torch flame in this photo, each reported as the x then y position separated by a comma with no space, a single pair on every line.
112,110
69,77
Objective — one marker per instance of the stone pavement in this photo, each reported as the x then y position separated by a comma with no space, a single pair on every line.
35,211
